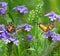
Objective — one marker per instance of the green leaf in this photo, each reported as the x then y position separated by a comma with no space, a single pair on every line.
8,19
31,49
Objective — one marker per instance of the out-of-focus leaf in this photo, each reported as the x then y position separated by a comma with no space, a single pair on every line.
31,49
8,19
51,47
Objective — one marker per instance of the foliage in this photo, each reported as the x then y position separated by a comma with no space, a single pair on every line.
38,46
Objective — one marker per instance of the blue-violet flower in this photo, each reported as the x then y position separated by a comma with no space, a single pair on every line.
51,15
3,7
11,39
3,32
26,27
53,35
22,9
29,37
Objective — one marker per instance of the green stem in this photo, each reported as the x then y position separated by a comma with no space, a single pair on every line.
11,16
19,50
9,49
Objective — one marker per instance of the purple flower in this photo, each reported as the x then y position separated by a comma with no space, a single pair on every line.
51,15
2,27
22,9
16,42
56,37
4,35
29,37
3,7
11,39
26,27
49,34
58,18
2,11
53,35
6,40
3,32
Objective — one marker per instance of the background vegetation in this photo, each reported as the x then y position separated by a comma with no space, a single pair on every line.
36,11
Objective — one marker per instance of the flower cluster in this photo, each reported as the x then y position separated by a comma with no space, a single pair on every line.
11,39
6,36
3,7
53,16
53,35
22,9
25,26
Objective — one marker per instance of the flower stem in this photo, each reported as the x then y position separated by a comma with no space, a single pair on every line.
9,49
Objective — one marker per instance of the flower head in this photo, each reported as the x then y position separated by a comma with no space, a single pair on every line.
56,37
16,42
22,9
11,39
51,15
26,27
3,7
4,35
53,35
29,37
48,34
3,32
58,18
